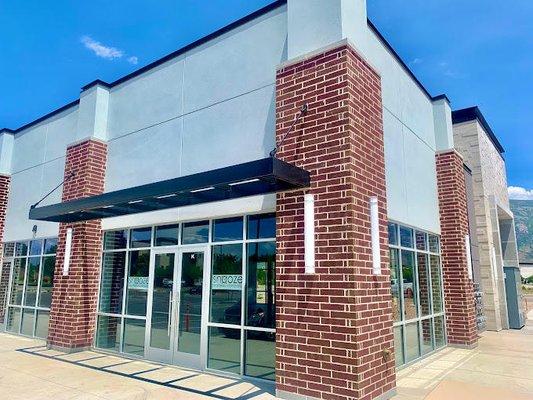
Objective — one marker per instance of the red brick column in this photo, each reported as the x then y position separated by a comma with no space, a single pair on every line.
74,297
458,288
5,180
334,328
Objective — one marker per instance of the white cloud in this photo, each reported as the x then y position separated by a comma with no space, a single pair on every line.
109,53
520,193
416,61
133,60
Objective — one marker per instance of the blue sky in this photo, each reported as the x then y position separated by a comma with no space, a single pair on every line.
478,52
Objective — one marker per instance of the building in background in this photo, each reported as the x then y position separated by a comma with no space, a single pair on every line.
282,200
492,227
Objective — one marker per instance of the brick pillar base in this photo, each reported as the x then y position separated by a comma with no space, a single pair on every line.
458,288
74,296
5,181
334,327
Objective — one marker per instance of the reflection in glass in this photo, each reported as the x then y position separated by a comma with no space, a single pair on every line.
28,318
226,284
398,345
190,311
411,342
13,320
41,327
260,307
115,240
195,232
134,336
406,237
262,226
36,247
17,284
108,333
409,285
427,336
420,238
9,249
137,285
166,235
260,357
393,233
32,279
434,243
50,246
227,229
112,282
47,281
395,283
162,301
436,284
440,338
21,249
423,283
141,237
224,351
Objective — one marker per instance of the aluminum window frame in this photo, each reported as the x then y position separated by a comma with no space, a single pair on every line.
432,315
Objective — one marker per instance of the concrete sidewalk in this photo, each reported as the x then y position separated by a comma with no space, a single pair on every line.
501,367
29,371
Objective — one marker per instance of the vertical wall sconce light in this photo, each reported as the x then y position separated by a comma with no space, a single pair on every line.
68,248
374,234
469,257
309,233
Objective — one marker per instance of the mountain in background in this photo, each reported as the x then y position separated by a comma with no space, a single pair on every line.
523,216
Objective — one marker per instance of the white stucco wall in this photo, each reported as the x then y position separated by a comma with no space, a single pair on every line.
212,107
37,166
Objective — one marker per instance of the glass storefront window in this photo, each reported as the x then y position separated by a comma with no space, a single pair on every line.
195,232
436,284
134,330
108,333
36,247
32,276
427,336
415,268
241,271
166,235
41,327
32,279
261,226
393,234
112,282
114,240
224,352
409,289
423,284
260,311
137,284
395,283
398,345
226,284
17,283
406,237
412,350
260,355
141,237
50,246
227,229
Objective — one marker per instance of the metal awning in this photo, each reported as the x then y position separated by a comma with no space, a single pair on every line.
264,176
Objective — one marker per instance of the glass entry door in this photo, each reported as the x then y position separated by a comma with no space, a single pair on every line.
176,329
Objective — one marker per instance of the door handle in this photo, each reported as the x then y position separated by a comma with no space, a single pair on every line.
169,314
